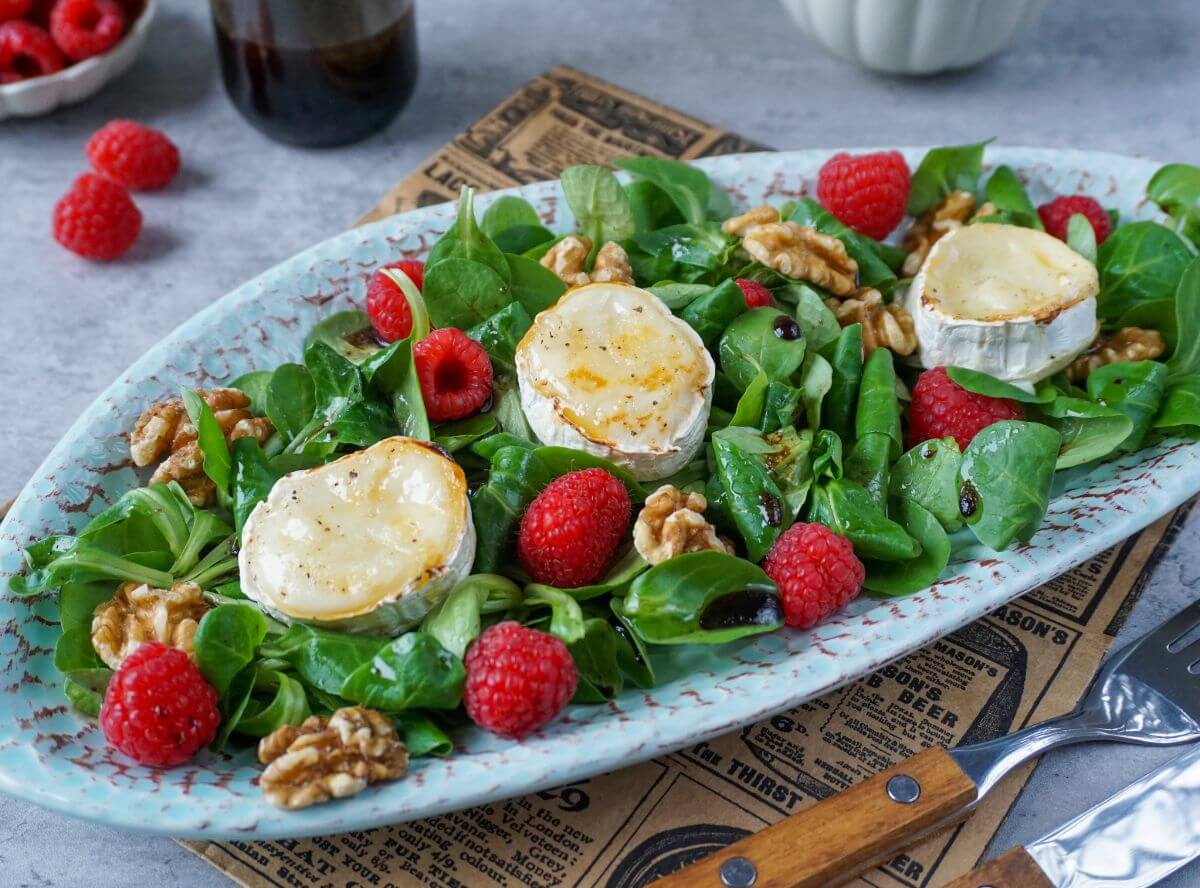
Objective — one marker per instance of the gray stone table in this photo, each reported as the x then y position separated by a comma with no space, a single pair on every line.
1102,74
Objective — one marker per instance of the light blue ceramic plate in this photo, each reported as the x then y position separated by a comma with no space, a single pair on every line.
52,756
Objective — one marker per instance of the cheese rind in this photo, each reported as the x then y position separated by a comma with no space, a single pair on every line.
1012,302
610,371
368,543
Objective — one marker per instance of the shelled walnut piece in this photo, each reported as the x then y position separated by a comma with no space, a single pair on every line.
1126,344
139,613
330,758
883,326
803,254
568,258
942,218
164,430
671,523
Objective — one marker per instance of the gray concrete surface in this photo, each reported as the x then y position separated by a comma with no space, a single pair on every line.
1103,74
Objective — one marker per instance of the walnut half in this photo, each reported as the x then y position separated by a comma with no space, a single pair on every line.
672,522
803,254
568,258
164,430
1126,344
138,613
883,326
330,758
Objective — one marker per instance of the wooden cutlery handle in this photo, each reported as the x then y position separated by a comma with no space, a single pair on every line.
1012,869
840,837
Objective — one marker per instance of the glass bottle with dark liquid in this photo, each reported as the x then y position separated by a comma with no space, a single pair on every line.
317,73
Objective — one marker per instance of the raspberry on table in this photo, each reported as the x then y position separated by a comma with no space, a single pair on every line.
96,219
133,155
389,311
14,9
757,295
941,407
26,51
518,679
571,530
455,374
86,28
816,571
158,709
1056,215
867,192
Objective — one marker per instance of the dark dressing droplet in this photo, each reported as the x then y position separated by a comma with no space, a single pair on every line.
968,500
772,509
623,632
929,451
787,328
364,338
742,608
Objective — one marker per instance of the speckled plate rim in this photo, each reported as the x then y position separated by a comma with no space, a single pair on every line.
56,759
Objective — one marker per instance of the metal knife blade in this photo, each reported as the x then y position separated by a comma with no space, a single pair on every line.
1132,839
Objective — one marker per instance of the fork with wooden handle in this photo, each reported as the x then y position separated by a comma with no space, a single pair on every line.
1144,694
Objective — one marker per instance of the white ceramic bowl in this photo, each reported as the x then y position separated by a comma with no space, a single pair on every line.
41,95
914,36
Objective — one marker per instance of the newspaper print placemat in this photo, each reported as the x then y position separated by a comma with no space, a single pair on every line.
1029,660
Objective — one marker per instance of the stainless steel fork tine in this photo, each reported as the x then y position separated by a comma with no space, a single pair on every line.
1176,627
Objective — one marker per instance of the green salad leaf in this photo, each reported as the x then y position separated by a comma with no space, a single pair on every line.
1134,388
601,208
411,672
927,475
1007,194
701,598
1089,431
913,574
1176,189
1138,263
943,171
1006,474
465,241
758,340
687,187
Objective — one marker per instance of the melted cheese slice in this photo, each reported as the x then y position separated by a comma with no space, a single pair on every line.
990,272
1012,302
389,526
609,369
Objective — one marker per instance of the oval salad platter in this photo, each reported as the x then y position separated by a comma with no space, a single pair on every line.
55,757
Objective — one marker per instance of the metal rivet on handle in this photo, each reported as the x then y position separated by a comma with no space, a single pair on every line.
903,789
738,872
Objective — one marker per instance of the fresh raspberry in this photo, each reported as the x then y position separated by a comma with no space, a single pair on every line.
86,28
941,407
455,374
133,155
571,530
96,219
158,708
1057,214
14,9
868,192
518,679
816,571
756,294
26,51
387,308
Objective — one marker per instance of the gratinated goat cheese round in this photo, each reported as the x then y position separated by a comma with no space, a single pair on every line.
611,371
1013,302
368,543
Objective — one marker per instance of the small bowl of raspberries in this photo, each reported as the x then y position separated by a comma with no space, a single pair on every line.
59,52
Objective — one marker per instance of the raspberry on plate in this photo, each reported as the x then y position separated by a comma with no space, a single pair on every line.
86,28
518,679
867,192
26,51
757,295
1056,215
133,155
14,9
455,374
941,407
96,219
816,571
389,311
570,531
158,708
